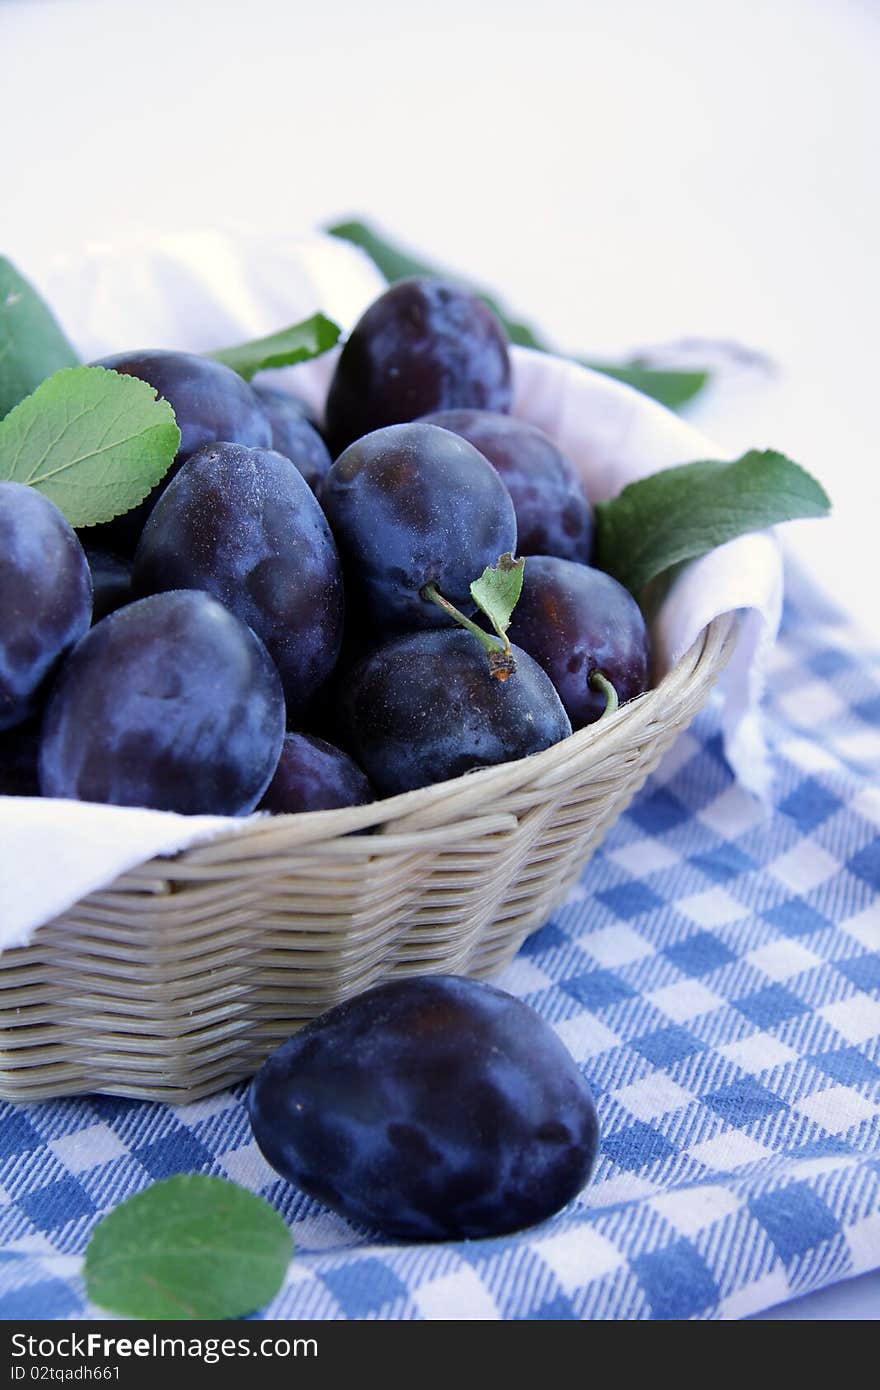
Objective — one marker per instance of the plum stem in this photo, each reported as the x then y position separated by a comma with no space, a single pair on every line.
501,662
604,686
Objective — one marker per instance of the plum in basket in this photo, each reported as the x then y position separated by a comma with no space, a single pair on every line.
412,506
210,402
243,524
313,775
579,623
553,512
423,345
45,597
170,703
425,707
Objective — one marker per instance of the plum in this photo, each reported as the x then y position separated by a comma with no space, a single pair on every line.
425,707
312,775
431,1108
553,513
423,345
576,621
413,505
45,597
170,703
244,525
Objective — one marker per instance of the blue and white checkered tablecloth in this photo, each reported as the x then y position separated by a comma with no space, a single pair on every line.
717,976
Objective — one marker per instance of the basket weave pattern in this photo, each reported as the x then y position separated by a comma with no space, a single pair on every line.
184,974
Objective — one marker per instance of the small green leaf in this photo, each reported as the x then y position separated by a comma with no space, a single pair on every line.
671,386
32,344
298,343
681,513
497,590
189,1247
94,441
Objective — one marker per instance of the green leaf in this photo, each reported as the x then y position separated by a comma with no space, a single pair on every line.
671,386
32,345
497,590
397,264
298,343
93,441
190,1247
393,261
684,512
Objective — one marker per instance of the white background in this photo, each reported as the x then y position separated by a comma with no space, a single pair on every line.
628,174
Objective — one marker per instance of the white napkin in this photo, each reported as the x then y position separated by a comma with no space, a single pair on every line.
210,290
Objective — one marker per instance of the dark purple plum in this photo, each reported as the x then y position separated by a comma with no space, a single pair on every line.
171,703
412,505
243,524
423,345
277,395
312,775
432,1108
111,580
210,401
553,513
19,756
425,707
294,435
45,597
574,621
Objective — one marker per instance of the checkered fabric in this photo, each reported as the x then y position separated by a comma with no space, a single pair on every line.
717,976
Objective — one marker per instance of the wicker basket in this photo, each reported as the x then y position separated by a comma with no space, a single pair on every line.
179,978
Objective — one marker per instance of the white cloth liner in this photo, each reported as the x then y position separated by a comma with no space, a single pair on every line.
208,290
